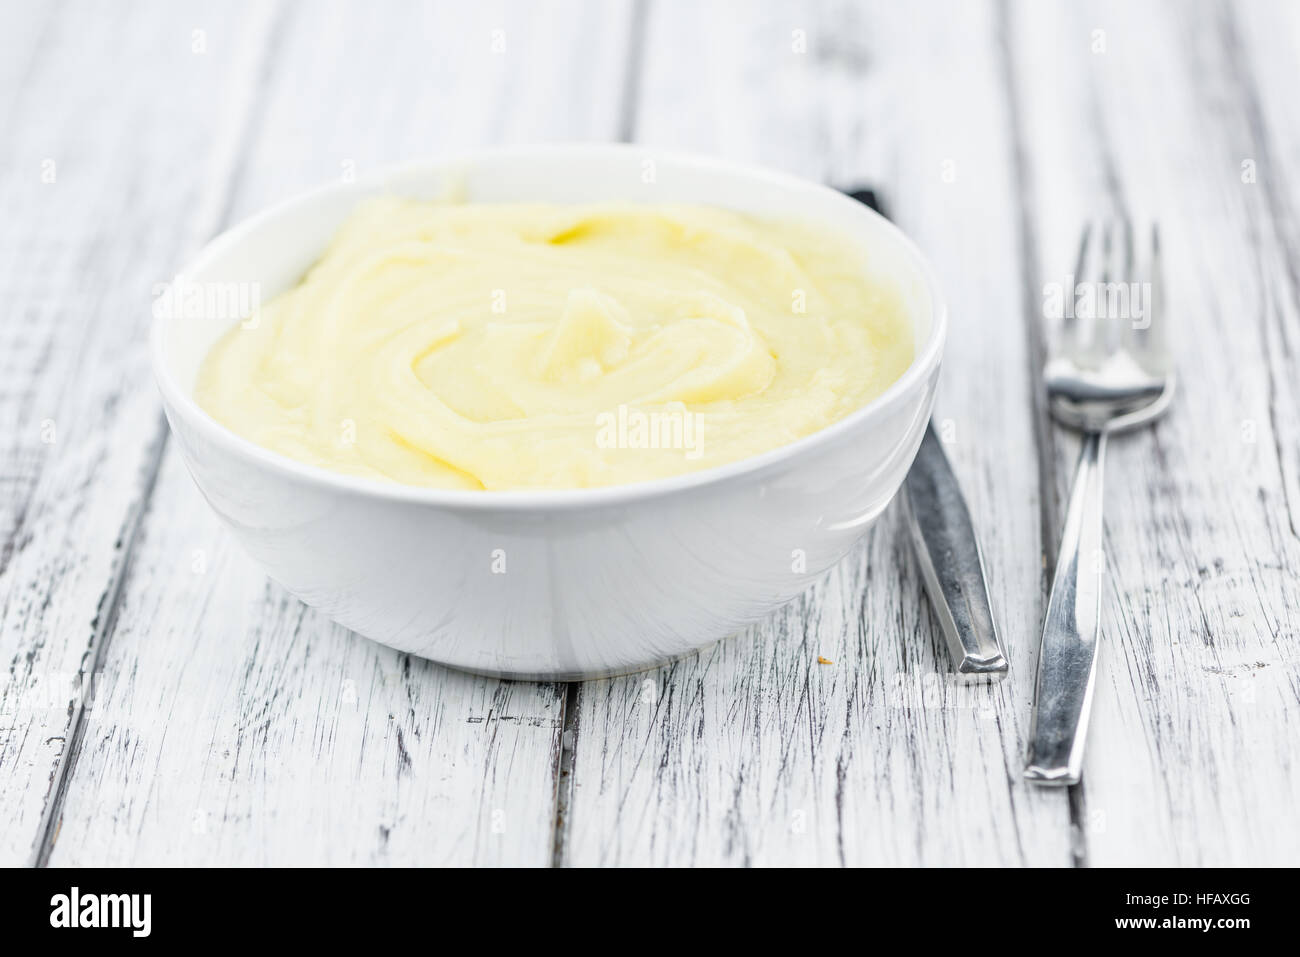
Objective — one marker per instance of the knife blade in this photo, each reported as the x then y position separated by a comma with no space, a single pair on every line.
948,552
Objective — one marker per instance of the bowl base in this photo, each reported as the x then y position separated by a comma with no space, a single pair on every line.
560,677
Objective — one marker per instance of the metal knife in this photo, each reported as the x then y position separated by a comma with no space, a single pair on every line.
948,552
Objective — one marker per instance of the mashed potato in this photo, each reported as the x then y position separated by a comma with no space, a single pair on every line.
539,346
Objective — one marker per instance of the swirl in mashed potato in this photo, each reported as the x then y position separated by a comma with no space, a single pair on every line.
489,346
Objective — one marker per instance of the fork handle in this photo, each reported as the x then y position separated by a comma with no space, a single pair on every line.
1067,659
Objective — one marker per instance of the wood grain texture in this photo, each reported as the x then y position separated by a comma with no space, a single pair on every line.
86,232
753,752
235,725
231,725
1192,756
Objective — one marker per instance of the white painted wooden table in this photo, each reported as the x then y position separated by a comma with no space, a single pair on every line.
228,724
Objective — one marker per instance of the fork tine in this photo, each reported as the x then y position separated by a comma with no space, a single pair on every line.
1069,325
1103,342
1081,260
1137,327
1144,334
1119,272
1106,250
1154,336
1098,338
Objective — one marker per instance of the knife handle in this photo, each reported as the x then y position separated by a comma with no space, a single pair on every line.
951,563
947,550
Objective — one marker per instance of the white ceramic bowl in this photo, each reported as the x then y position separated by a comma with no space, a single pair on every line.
595,581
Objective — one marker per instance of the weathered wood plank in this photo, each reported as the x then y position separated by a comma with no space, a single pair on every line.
99,110
752,752
1192,756
236,726
233,726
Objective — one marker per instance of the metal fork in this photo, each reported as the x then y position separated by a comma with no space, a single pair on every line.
1105,374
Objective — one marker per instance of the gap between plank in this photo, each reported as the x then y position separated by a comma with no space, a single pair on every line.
1274,206
567,756
1044,446
110,603
564,770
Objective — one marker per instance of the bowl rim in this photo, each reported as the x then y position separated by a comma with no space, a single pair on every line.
179,401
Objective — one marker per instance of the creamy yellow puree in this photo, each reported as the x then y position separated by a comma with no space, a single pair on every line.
543,346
